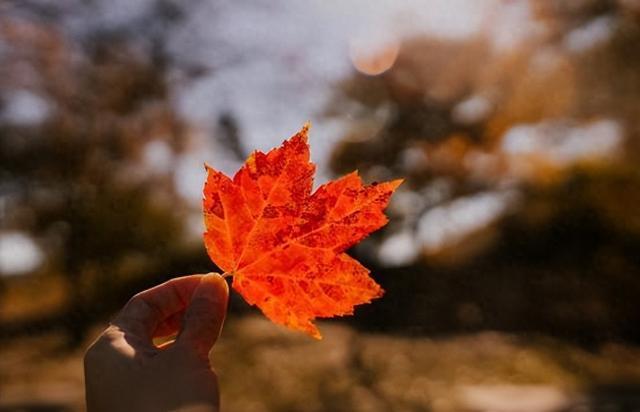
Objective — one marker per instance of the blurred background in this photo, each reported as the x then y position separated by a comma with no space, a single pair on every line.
511,261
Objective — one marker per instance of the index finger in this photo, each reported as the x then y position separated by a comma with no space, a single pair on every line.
146,310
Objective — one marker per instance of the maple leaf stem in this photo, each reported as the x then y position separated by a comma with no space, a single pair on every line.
227,274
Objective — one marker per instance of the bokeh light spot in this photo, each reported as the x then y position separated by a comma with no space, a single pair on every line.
376,60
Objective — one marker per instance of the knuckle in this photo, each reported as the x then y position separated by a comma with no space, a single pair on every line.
95,353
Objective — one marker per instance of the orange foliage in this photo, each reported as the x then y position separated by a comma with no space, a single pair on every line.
283,244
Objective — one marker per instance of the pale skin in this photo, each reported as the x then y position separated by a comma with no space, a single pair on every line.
125,371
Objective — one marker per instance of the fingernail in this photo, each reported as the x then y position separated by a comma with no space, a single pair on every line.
211,286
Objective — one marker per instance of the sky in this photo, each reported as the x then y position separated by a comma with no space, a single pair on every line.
271,65
275,64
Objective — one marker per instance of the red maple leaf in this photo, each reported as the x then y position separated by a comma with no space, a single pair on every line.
283,244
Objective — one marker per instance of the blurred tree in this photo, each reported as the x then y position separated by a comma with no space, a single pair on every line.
87,142
521,165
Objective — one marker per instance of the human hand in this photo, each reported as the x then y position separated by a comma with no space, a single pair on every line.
125,371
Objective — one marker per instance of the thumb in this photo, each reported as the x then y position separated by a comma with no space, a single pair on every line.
205,315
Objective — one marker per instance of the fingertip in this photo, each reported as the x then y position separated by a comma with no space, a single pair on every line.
206,313
212,284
